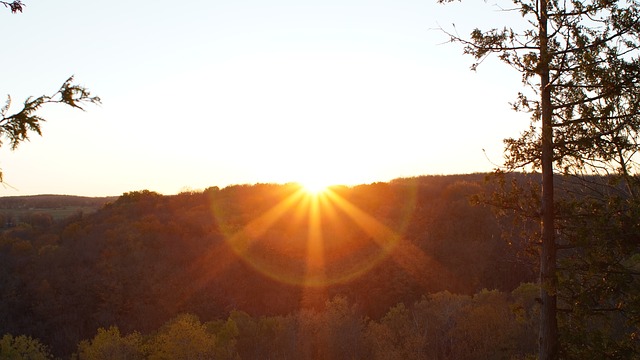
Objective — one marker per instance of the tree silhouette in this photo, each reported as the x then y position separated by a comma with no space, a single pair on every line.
17,126
15,6
579,61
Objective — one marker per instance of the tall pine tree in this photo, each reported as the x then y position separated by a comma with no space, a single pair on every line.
579,62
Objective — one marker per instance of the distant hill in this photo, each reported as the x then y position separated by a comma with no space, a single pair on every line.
18,208
52,201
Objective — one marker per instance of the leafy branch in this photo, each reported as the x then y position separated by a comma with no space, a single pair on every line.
15,6
16,127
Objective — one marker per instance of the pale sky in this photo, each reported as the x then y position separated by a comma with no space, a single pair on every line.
214,93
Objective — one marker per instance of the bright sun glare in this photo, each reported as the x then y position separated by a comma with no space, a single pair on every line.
313,178
315,187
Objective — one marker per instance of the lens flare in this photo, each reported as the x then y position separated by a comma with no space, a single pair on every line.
309,235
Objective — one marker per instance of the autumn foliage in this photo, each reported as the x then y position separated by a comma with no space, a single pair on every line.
402,270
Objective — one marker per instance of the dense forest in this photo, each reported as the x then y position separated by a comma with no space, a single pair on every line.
376,258
401,270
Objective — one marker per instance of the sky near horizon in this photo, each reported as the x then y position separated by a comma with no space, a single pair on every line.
214,93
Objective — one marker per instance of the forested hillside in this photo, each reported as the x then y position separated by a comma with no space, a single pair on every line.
265,251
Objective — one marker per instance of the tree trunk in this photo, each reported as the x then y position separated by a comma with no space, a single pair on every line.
548,281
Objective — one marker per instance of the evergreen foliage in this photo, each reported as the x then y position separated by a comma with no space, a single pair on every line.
580,64
18,126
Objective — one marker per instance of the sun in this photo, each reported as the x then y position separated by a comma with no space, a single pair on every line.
315,187
315,176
